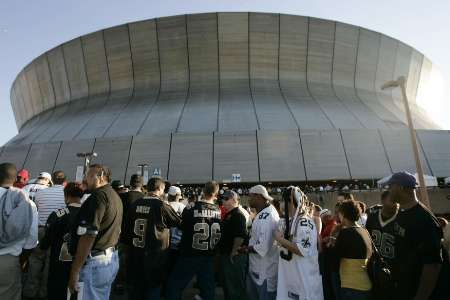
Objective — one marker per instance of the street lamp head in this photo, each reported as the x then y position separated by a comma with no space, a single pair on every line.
389,85
87,154
394,83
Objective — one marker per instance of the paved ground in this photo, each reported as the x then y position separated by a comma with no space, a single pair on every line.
188,294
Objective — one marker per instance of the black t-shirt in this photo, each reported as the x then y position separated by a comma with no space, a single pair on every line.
233,226
382,233
58,224
201,229
354,243
100,215
417,242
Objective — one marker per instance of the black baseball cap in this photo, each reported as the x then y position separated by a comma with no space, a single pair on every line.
117,184
403,179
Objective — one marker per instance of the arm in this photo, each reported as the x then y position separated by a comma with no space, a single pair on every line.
237,242
240,233
83,249
431,256
50,229
32,239
170,216
265,237
428,280
90,217
23,259
290,246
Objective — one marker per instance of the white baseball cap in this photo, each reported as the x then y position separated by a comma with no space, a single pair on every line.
47,176
174,190
260,190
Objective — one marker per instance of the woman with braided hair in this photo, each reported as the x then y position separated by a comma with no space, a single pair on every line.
298,266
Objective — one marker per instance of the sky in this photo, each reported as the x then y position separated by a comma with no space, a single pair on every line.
29,28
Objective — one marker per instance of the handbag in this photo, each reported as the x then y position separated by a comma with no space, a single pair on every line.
378,271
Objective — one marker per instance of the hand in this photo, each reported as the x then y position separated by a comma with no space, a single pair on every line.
73,282
331,242
23,264
232,255
242,250
279,236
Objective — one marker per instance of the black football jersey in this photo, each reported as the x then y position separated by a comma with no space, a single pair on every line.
201,229
59,223
382,233
147,225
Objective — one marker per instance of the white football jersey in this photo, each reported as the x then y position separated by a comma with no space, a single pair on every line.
176,233
299,278
32,189
263,263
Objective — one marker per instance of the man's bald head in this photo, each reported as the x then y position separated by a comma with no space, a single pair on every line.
8,174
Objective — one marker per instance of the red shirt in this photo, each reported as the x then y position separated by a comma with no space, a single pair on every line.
223,212
326,230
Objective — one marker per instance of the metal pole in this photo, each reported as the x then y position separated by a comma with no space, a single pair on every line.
412,132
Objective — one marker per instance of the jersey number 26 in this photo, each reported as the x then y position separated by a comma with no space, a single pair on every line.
203,233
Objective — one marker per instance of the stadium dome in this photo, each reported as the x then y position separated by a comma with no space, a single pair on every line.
270,97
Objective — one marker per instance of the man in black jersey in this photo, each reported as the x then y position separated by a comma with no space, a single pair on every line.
147,235
417,257
135,193
201,233
58,225
380,224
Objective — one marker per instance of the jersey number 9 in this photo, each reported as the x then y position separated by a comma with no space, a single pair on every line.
203,233
140,228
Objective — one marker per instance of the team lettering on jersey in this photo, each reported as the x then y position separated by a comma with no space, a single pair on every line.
142,209
202,234
206,213
62,211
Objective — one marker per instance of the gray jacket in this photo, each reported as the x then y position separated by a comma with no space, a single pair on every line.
16,216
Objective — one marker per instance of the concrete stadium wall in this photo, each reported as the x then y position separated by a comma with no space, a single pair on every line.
263,155
439,198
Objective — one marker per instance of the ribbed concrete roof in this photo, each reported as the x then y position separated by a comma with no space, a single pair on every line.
277,97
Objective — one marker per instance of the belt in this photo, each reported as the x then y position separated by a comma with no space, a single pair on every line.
107,251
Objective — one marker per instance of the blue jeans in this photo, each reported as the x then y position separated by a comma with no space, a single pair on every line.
185,269
259,292
98,275
351,294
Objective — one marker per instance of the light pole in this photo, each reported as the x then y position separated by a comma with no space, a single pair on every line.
401,82
88,156
142,171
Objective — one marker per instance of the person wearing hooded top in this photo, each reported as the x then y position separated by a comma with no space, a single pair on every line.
19,234
298,266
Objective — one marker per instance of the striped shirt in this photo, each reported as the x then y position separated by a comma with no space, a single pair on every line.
32,189
49,200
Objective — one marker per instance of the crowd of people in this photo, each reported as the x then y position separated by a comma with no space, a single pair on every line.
61,238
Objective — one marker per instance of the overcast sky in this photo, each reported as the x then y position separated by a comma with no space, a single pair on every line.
29,28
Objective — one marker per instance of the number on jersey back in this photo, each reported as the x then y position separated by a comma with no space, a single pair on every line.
201,229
